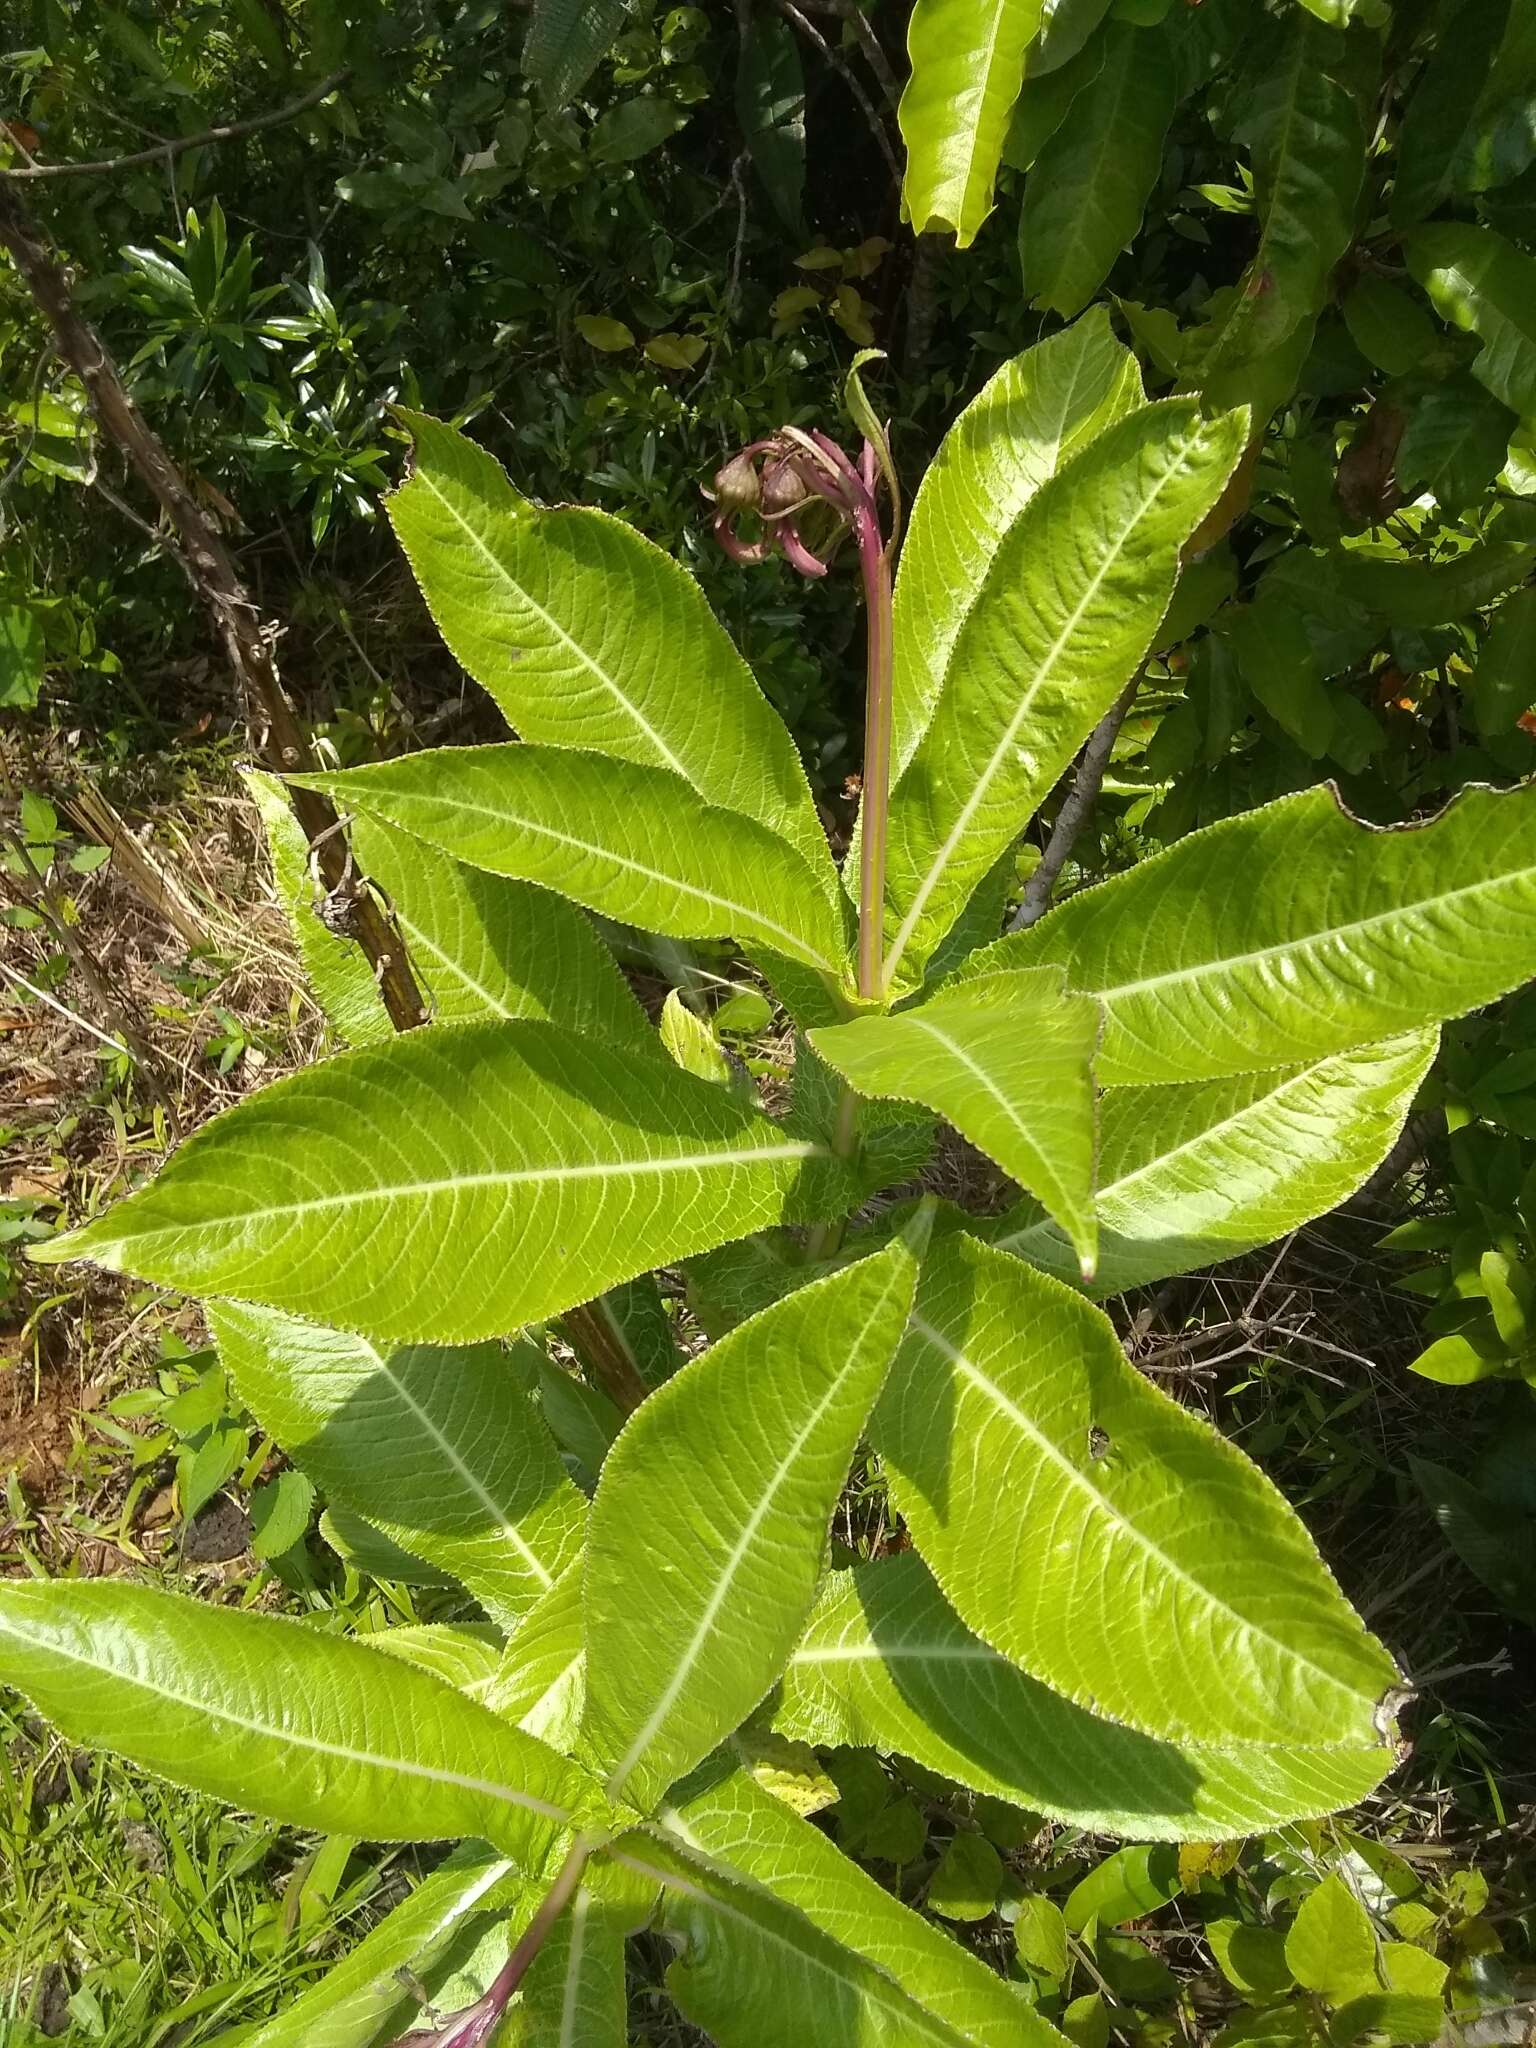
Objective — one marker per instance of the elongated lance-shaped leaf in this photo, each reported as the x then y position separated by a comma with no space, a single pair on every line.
336,968
443,1449
363,1999
634,843
886,1663
485,946
541,1681
368,1550
1305,127
763,1426
1101,1536
967,66
1341,934
574,1995
466,1655
1023,425
755,1972
275,1717
1484,285
588,636
1010,1063
1069,607
727,1818
1193,1174
1084,198
455,1184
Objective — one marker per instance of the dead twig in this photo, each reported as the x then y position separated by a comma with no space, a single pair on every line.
862,100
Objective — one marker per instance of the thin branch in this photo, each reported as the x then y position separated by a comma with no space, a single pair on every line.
1073,814
865,104
165,152
853,16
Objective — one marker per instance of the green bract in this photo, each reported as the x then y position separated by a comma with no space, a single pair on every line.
1105,1611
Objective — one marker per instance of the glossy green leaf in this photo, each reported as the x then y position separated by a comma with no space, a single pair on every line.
1450,140
1044,101
1341,934
634,843
1190,1175
1024,424
1484,285
484,946
755,1972
887,1664
452,1185
1102,1536
1133,1881
691,1042
1072,600
354,2003
335,967
588,636
1085,196
1008,1059
967,65
1455,444
1504,682
442,1449
763,1426
1306,131
1331,1948
734,1822
278,1718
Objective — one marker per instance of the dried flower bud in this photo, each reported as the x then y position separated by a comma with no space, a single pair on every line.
737,486
783,490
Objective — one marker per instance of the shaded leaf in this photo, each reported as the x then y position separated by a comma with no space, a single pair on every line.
1484,285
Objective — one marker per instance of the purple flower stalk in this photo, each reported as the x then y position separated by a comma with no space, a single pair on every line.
790,481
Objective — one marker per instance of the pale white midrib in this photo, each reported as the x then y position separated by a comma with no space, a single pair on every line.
705,1626
570,2002
1117,1522
470,1478
1043,671
281,1737
878,1984
600,1169
556,630
752,919
1309,940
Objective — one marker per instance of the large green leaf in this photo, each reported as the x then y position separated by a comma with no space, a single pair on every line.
466,1654
335,967
967,66
454,1184
541,1681
485,946
565,40
1100,1535
1339,935
1487,287
887,1663
575,1995
443,1449
278,1718
588,636
726,1817
1084,197
1306,133
1023,425
762,1427
1196,1173
634,843
754,1972
1070,604
1455,136
1009,1061
354,2004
